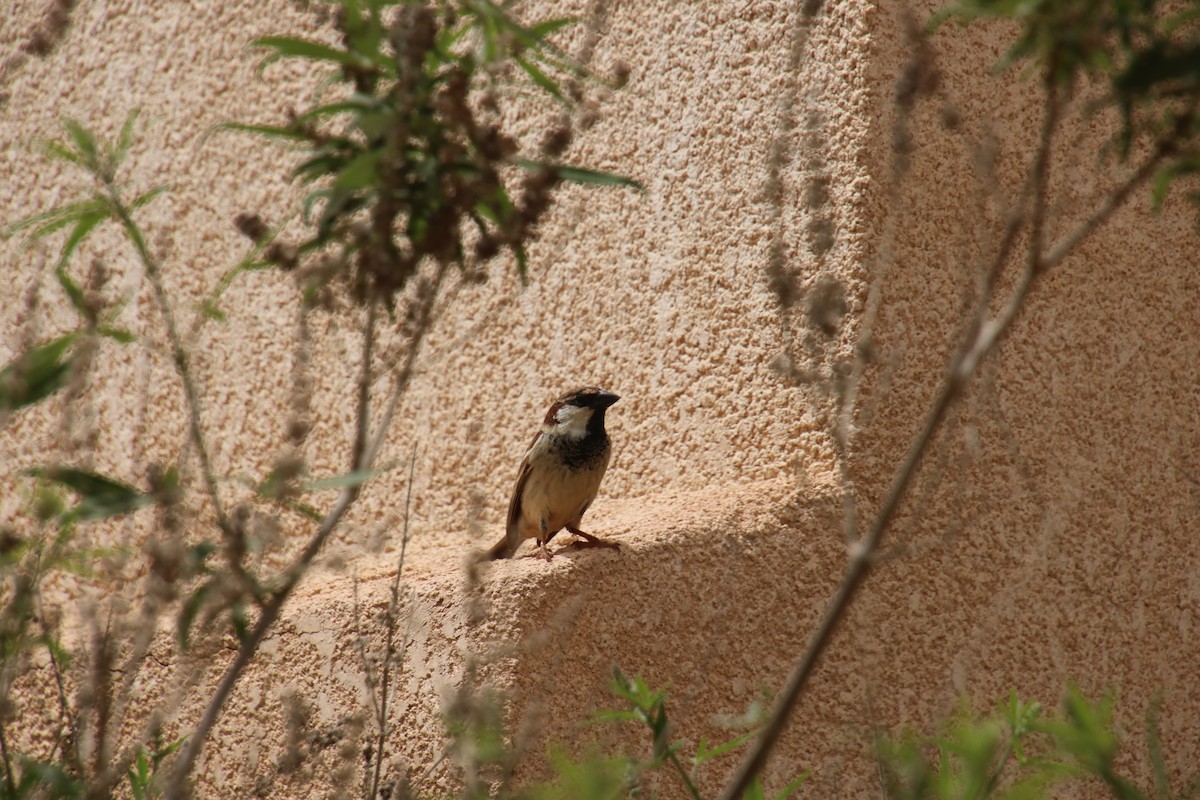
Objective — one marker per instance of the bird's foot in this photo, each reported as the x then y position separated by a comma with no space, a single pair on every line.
591,541
542,551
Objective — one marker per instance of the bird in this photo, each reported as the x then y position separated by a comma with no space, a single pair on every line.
560,474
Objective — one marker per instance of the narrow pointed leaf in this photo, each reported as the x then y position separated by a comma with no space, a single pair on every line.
306,48
100,496
539,77
85,142
580,175
276,131
187,614
125,139
47,222
60,152
146,197
119,335
544,29
792,787
35,375
74,293
350,479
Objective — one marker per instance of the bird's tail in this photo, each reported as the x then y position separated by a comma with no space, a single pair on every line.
502,549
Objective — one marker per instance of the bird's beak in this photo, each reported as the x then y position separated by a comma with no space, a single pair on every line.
606,399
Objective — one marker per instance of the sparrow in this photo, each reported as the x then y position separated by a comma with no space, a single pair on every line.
560,474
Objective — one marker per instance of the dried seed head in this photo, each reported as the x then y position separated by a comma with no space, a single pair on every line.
298,430
589,115
621,71
251,225
487,247
780,280
557,140
826,305
282,254
494,144
950,117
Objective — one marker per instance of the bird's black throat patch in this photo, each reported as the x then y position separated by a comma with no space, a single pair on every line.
585,452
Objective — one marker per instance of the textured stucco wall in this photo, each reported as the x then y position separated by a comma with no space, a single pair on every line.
1052,537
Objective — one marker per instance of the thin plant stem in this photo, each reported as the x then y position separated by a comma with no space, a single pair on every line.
186,759
179,356
364,389
64,708
9,782
178,352
393,610
683,776
980,340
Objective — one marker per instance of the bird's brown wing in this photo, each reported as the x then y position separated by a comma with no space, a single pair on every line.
511,541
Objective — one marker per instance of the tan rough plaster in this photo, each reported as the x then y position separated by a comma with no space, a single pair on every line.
1054,537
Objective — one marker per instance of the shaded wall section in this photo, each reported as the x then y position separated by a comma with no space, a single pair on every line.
1052,535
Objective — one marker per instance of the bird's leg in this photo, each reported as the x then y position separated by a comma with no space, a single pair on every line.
591,541
542,550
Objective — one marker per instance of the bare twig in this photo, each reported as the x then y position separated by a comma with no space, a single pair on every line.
980,340
186,759
64,707
364,390
9,783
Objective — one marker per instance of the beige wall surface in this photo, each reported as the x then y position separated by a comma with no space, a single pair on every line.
1052,536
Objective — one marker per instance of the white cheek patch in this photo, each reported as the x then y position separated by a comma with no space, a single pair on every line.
571,422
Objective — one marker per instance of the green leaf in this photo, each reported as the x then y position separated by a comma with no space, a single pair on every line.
543,29
139,775
35,375
581,175
187,614
125,138
292,47
539,77
522,261
159,755
361,171
47,222
305,510
60,152
82,228
319,166
276,131
792,786
60,654
357,478
101,497
704,753
41,779
755,790
239,621
212,311
119,335
357,102
82,562
85,143
146,197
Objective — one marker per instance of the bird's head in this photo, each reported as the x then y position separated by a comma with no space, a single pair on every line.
579,413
